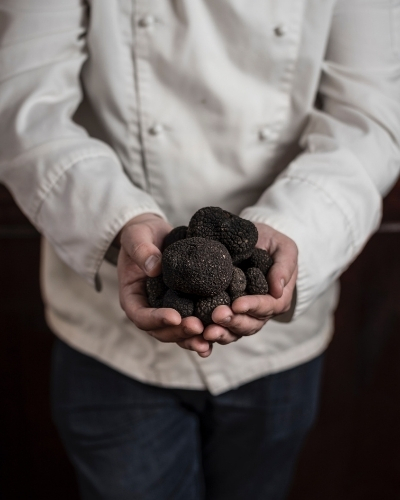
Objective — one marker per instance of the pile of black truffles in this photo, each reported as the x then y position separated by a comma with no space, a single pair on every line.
211,262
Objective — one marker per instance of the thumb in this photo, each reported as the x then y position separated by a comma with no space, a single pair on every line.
283,269
138,242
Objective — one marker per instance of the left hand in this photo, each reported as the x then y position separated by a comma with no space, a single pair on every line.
141,241
248,314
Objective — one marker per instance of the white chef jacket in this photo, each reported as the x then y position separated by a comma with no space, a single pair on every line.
285,112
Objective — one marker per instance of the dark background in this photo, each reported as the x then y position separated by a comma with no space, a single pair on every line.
353,453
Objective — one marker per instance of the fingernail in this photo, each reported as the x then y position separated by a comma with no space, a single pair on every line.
226,320
151,262
283,283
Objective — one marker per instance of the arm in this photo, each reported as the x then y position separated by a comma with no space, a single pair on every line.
328,200
71,186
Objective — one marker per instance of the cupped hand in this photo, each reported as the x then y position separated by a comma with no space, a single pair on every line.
248,314
140,256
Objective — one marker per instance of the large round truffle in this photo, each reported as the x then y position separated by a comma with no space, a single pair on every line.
156,289
238,235
204,307
197,266
184,305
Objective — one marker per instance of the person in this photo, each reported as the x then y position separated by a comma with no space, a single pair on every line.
119,121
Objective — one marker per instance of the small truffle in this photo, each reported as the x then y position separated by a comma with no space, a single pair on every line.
178,233
259,258
156,289
204,307
238,235
197,266
237,288
256,282
184,305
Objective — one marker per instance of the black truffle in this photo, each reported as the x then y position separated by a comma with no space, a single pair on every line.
204,307
259,258
197,266
156,289
238,235
256,282
237,288
184,305
178,233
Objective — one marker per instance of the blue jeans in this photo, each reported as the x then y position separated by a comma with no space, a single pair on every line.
129,440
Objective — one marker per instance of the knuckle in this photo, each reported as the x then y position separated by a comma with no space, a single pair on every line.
187,334
186,344
237,329
251,332
137,249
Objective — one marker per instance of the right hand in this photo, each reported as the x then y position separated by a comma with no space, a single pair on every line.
248,314
140,256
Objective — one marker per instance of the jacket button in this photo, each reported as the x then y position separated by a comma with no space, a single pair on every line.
146,21
280,30
264,134
156,129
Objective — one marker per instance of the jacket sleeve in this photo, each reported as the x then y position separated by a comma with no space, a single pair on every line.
329,198
71,186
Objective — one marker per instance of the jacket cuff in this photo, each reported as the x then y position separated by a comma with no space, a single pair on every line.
85,209
319,227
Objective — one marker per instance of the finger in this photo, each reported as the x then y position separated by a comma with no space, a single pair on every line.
142,242
142,250
192,326
189,328
264,307
197,344
152,319
133,300
283,268
244,324
219,334
257,306
222,315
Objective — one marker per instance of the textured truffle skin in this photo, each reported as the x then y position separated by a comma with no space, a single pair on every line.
178,233
204,307
155,289
256,282
237,288
184,305
259,258
197,266
238,235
